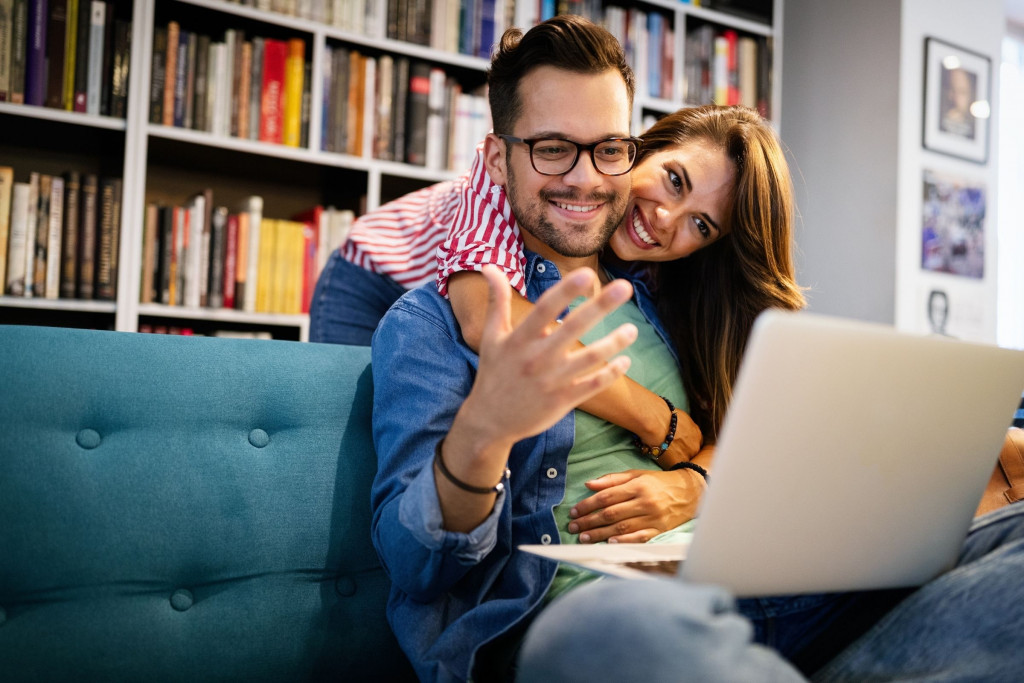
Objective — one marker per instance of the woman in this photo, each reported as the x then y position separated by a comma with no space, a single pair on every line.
710,217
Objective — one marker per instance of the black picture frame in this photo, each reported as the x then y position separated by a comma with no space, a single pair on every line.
957,100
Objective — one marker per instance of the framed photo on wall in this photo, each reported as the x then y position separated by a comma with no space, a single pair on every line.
957,100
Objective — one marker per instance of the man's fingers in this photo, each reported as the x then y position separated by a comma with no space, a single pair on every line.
588,313
550,305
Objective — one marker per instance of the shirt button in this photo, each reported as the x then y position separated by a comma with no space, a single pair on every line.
552,473
541,268
545,539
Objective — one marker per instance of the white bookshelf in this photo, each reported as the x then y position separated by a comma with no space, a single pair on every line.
161,159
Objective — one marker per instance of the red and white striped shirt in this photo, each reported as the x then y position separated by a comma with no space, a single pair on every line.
454,226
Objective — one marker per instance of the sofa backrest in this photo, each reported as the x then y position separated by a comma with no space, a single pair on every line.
184,508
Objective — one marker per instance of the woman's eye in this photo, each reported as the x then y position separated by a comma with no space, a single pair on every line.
705,231
674,178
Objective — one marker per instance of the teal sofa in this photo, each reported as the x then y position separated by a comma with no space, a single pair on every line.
187,509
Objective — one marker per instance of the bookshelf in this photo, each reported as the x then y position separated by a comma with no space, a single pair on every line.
167,161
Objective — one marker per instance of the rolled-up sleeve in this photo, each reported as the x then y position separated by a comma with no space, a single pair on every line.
421,375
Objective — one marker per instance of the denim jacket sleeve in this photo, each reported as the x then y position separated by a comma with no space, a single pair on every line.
421,374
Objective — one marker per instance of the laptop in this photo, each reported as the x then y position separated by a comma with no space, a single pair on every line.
852,457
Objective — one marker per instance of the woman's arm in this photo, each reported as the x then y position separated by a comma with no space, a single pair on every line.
625,403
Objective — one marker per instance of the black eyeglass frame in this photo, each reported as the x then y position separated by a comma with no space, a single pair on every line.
530,142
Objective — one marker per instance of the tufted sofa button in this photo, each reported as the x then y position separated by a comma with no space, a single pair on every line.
259,438
345,587
88,438
182,599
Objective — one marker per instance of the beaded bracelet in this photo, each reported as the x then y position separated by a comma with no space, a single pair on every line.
439,461
687,465
654,452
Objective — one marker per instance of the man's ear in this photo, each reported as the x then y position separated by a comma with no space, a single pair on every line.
494,158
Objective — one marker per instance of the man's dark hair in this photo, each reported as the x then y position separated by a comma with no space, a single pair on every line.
566,42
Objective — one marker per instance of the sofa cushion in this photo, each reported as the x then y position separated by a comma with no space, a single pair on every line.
187,508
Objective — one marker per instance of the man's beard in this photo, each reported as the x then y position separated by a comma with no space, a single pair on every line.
578,240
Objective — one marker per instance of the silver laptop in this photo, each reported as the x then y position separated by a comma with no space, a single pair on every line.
852,457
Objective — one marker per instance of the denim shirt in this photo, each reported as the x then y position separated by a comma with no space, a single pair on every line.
452,592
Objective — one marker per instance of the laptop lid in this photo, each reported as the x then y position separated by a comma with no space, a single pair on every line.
852,457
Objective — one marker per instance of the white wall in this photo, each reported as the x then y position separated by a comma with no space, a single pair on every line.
852,89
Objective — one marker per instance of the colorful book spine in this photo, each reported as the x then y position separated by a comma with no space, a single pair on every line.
293,88
35,55
19,48
272,99
6,188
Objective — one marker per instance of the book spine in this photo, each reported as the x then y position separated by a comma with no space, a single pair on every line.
180,80
107,60
80,86
70,54
194,255
230,256
55,232
150,244
6,188
105,245
6,38
218,229
69,240
122,60
244,86
189,96
56,27
419,96
255,83
171,67
158,75
94,85
241,260
254,207
165,253
17,245
19,47
271,102
205,217
293,87
35,55
87,237
235,41
199,120
435,151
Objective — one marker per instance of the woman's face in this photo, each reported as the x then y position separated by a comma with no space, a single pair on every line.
681,201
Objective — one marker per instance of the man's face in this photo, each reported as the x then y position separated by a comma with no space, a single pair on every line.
569,216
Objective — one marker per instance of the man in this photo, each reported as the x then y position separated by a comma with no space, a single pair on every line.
446,517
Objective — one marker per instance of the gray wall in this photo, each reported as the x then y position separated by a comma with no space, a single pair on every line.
840,101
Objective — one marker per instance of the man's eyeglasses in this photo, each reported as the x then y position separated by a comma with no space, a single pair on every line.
554,156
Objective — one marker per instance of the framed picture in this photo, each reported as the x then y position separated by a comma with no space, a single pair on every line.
957,95
953,225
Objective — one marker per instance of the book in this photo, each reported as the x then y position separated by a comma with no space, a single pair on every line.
367,101
241,274
56,43
106,63
265,276
69,239
204,247
6,188
94,80
158,75
418,110
338,139
255,83
6,40
89,202
244,86
189,95
436,148
271,100
54,256
230,260
293,89
253,206
200,83
83,22
399,104
42,235
17,244
119,75
354,103
164,253
70,55
171,66
35,53
180,84
234,39
19,48
106,241
218,235
150,244
194,276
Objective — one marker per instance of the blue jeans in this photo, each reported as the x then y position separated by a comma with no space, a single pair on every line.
962,626
349,302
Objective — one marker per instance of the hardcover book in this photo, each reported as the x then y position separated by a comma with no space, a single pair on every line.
87,236
69,239
6,188
17,244
54,256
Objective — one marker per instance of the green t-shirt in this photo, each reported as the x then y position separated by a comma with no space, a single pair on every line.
600,447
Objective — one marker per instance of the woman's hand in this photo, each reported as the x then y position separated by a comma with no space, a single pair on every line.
636,505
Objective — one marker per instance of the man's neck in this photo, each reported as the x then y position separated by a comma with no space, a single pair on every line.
565,264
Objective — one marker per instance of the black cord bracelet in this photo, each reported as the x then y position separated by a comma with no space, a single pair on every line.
439,461
687,465
654,452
